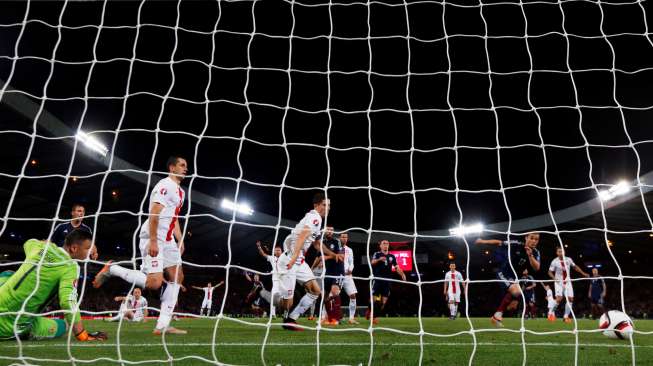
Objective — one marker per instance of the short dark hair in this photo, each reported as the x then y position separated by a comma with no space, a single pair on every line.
77,204
77,236
318,198
172,160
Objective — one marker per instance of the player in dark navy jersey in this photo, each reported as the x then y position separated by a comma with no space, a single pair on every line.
597,292
513,257
383,264
77,215
334,271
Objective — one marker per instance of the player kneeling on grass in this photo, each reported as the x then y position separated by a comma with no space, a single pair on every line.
48,270
133,307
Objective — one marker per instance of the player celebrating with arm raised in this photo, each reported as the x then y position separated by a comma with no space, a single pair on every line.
383,264
272,296
513,257
160,252
452,289
559,271
48,271
348,281
291,265
208,297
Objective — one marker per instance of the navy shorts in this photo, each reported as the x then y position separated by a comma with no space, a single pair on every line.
529,296
597,300
381,288
330,281
506,279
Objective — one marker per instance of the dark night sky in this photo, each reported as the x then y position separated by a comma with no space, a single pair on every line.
442,123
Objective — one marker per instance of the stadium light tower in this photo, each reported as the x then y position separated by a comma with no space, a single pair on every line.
92,143
618,189
242,208
464,230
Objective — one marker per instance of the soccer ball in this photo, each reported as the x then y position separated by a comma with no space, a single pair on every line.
616,325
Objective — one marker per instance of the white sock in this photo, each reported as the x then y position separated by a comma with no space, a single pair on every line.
130,275
208,311
312,310
352,308
452,309
498,315
168,302
455,309
272,299
568,306
304,304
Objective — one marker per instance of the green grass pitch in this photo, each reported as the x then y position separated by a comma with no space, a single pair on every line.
241,344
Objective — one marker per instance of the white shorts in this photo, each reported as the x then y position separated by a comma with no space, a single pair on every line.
137,319
349,286
551,303
568,290
169,256
207,303
453,297
299,273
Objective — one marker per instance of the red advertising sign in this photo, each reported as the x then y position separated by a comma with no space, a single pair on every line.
404,259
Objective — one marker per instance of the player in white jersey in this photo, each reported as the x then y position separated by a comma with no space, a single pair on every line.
560,272
348,281
454,285
291,265
318,269
132,307
161,245
550,302
207,302
272,296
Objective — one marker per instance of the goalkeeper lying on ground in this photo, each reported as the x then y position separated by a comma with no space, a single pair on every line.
56,275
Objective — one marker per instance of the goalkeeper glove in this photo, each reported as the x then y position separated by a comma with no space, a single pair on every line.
85,336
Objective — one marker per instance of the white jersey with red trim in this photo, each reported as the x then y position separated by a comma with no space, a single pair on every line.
208,293
138,306
561,268
314,222
453,280
169,194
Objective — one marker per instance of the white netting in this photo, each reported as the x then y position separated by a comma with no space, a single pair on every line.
425,78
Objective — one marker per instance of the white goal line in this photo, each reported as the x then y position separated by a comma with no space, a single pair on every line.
338,344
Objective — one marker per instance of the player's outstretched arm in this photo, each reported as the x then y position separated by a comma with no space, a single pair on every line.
401,273
328,254
299,242
580,270
261,252
316,262
196,287
219,284
551,275
68,303
119,298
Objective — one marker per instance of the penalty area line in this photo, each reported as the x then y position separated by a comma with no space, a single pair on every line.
313,344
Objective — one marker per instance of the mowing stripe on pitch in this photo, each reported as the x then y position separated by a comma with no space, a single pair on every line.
313,344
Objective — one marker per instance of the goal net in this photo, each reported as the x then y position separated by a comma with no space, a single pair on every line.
449,129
